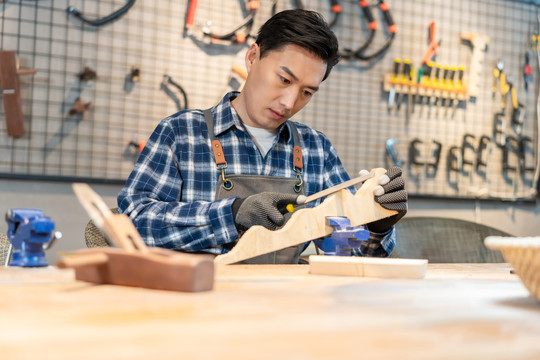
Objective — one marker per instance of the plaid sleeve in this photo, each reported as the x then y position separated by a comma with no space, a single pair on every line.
151,199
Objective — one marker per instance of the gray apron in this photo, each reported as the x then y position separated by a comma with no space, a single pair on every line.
245,185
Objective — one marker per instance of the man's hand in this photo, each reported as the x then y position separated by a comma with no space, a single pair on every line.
265,209
391,195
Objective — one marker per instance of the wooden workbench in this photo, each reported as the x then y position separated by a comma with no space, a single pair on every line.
459,311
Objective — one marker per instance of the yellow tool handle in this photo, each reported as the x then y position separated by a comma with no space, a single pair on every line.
304,200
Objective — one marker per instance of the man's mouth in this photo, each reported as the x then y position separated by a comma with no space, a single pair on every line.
276,114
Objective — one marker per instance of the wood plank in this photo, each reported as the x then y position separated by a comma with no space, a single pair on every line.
308,224
10,94
160,269
367,266
460,311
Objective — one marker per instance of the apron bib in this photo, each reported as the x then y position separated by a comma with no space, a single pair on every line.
246,185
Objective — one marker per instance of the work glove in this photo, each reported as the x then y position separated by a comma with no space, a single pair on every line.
391,195
266,209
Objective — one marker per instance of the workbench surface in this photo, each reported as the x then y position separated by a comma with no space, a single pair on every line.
458,311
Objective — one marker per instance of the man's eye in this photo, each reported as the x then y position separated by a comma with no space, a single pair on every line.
284,80
308,93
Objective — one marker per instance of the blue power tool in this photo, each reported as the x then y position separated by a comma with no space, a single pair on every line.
343,238
30,233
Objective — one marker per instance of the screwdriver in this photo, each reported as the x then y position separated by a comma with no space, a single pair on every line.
450,85
304,200
497,72
504,88
392,93
459,86
435,83
403,79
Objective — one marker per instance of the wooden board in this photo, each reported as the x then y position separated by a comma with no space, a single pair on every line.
10,94
308,224
368,267
268,312
156,269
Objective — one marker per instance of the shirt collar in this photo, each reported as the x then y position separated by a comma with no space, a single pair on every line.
227,117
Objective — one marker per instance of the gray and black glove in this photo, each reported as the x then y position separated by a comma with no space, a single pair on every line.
265,209
393,197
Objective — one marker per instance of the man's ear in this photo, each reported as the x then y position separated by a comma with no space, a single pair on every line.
252,55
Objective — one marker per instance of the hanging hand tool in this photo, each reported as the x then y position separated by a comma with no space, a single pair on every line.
335,7
497,71
11,96
430,160
504,89
419,76
436,82
136,146
459,87
404,81
433,45
30,232
189,22
98,22
372,26
499,129
427,70
466,144
450,85
360,53
444,84
524,165
518,115
476,76
391,151
87,74
527,71
343,238
454,165
395,79
411,92
511,147
79,107
481,160
241,32
131,79
168,80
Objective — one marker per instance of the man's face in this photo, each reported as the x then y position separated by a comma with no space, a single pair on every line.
278,85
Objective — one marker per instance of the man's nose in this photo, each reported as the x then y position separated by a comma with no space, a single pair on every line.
288,98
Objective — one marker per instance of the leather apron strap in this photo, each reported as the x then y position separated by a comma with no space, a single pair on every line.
246,185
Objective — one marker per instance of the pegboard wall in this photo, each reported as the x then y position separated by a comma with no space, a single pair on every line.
86,109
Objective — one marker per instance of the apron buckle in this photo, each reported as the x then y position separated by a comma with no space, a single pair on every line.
227,184
300,183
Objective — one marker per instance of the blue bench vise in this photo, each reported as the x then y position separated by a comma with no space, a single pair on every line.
343,238
30,232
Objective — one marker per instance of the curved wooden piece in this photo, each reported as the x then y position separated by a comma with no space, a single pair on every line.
309,224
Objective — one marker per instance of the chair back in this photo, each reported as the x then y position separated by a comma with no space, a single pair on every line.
444,240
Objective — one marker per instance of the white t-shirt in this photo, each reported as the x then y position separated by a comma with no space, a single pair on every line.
263,138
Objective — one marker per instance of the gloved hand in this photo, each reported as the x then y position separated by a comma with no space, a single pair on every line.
391,195
266,209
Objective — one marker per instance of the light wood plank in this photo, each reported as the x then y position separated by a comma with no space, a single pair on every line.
368,267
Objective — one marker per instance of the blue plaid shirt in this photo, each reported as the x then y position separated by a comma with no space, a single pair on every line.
170,194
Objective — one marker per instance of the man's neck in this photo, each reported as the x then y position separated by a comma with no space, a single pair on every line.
239,106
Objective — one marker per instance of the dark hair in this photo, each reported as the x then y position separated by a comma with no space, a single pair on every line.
304,28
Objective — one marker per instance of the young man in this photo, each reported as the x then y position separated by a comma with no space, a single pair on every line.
205,177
